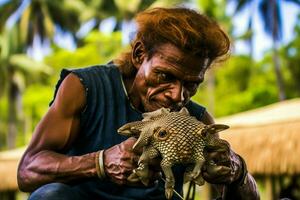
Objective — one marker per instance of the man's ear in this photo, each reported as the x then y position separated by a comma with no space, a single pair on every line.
138,54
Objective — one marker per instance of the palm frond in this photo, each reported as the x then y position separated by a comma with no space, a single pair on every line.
241,5
7,10
294,1
272,18
23,63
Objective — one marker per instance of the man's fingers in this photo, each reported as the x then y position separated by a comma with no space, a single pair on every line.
218,170
134,160
127,144
134,178
222,145
130,143
218,158
216,173
213,155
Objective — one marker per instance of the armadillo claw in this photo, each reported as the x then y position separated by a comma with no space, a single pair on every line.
142,172
145,181
199,180
187,177
194,175
169,193
133,178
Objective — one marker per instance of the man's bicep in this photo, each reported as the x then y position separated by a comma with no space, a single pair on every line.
54,132
60,126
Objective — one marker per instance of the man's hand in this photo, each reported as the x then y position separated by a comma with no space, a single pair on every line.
222,165
120,160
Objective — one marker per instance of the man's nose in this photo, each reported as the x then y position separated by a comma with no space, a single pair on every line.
176,92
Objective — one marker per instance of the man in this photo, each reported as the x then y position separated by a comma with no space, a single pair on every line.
76,153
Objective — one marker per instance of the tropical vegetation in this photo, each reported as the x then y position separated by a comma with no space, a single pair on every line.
26,85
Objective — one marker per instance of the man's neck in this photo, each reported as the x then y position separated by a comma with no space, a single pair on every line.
133,98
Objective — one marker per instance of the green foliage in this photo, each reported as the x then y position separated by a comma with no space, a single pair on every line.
292,54
6,10
38,86
36,99
228,78
240,85
3,121
212,8
98,48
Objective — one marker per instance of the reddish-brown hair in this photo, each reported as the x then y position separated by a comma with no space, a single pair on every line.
185,28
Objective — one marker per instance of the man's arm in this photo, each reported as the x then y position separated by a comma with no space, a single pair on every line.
42,163
236,184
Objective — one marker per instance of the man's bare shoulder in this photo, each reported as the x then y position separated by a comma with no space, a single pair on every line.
70,97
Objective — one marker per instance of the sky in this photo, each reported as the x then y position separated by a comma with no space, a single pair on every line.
262,42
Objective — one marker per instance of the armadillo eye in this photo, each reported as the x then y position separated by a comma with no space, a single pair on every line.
162,133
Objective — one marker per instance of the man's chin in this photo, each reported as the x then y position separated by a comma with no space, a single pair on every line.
153,107
156,106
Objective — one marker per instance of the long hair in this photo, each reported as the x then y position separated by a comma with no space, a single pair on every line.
188,30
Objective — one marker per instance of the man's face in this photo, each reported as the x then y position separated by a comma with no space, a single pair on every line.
169,79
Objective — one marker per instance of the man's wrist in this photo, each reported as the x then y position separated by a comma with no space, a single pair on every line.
100,164
242,179
242,188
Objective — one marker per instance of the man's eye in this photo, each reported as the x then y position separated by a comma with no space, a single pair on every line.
164,77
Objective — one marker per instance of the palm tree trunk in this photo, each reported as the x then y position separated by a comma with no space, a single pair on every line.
250,28
279,78
276,60
211,91
12,111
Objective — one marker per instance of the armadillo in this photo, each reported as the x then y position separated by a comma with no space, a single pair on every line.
177,137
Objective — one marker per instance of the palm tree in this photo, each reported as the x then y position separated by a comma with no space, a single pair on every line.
6,10
40,18
215,10
17,71
121,10
36,18
270,12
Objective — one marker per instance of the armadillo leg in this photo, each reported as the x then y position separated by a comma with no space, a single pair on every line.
195,174
143,169
188,171
170,181
197,168
148,154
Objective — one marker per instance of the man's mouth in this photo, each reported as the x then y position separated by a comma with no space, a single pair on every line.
172,106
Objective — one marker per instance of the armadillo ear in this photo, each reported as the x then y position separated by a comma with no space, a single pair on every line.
150,115
131,129
184,111
213,128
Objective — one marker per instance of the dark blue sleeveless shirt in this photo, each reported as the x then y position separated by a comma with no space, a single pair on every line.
107,109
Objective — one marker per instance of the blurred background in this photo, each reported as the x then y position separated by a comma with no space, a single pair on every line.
255,91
